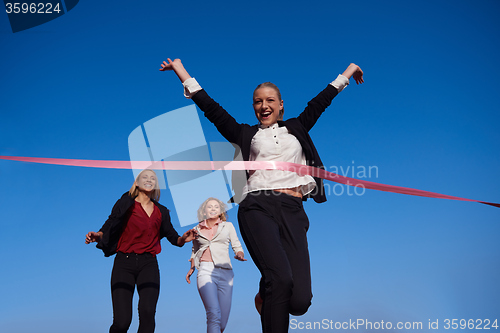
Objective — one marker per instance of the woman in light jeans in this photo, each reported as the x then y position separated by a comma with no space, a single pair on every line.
210,256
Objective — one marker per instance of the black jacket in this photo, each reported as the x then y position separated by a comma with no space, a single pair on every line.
242,134
114,225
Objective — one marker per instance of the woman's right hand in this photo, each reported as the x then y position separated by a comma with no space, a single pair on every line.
177,67
188,275
93,237
169,66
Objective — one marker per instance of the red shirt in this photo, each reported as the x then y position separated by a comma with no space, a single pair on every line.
141,233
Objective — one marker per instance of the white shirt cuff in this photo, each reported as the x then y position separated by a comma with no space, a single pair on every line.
340,82
191,87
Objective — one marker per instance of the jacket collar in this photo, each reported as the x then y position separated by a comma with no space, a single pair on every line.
219,224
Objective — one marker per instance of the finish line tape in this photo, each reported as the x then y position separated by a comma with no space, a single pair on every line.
240,165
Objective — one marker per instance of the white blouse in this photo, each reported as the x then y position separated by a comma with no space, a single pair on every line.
274,143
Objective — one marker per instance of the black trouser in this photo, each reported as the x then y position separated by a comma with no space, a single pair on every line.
132,269
274,227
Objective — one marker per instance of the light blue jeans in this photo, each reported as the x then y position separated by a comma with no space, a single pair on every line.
215,286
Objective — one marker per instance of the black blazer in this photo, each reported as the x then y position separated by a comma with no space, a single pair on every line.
114,225
242,134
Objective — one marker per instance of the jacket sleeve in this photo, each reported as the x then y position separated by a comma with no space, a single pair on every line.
223,121
195,247
235,242
317,106
193,251
166,229
113,227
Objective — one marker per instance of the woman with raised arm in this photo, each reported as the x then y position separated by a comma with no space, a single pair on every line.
210,256
133,231
272,220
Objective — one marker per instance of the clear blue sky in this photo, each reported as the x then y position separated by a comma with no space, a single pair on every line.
427,117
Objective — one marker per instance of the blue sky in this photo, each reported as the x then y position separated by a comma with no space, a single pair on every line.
427,117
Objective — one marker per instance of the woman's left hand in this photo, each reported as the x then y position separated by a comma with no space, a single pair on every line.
240,256
355,72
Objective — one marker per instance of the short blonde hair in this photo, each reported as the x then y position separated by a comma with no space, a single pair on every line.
154,194
222,207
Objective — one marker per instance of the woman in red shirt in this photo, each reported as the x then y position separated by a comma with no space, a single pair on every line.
133,231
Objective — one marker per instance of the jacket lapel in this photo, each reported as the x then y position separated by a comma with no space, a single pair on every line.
219,229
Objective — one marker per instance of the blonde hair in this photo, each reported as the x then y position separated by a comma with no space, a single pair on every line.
222,207
153,195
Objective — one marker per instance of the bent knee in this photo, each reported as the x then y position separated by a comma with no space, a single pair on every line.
300,306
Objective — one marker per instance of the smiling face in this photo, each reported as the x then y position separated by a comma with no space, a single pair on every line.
212,210
267,105
146,181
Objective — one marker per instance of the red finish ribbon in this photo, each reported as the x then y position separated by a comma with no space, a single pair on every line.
240,165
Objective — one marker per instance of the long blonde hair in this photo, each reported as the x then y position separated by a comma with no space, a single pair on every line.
153,195
222,207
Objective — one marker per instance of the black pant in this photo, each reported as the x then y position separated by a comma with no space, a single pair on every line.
274,227
132,269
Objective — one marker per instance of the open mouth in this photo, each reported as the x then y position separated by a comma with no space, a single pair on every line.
266,114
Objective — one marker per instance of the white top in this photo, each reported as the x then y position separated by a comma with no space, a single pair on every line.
219,245
274,144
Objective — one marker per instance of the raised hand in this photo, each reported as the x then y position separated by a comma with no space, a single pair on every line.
169,66
358,76
177,67
355,72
